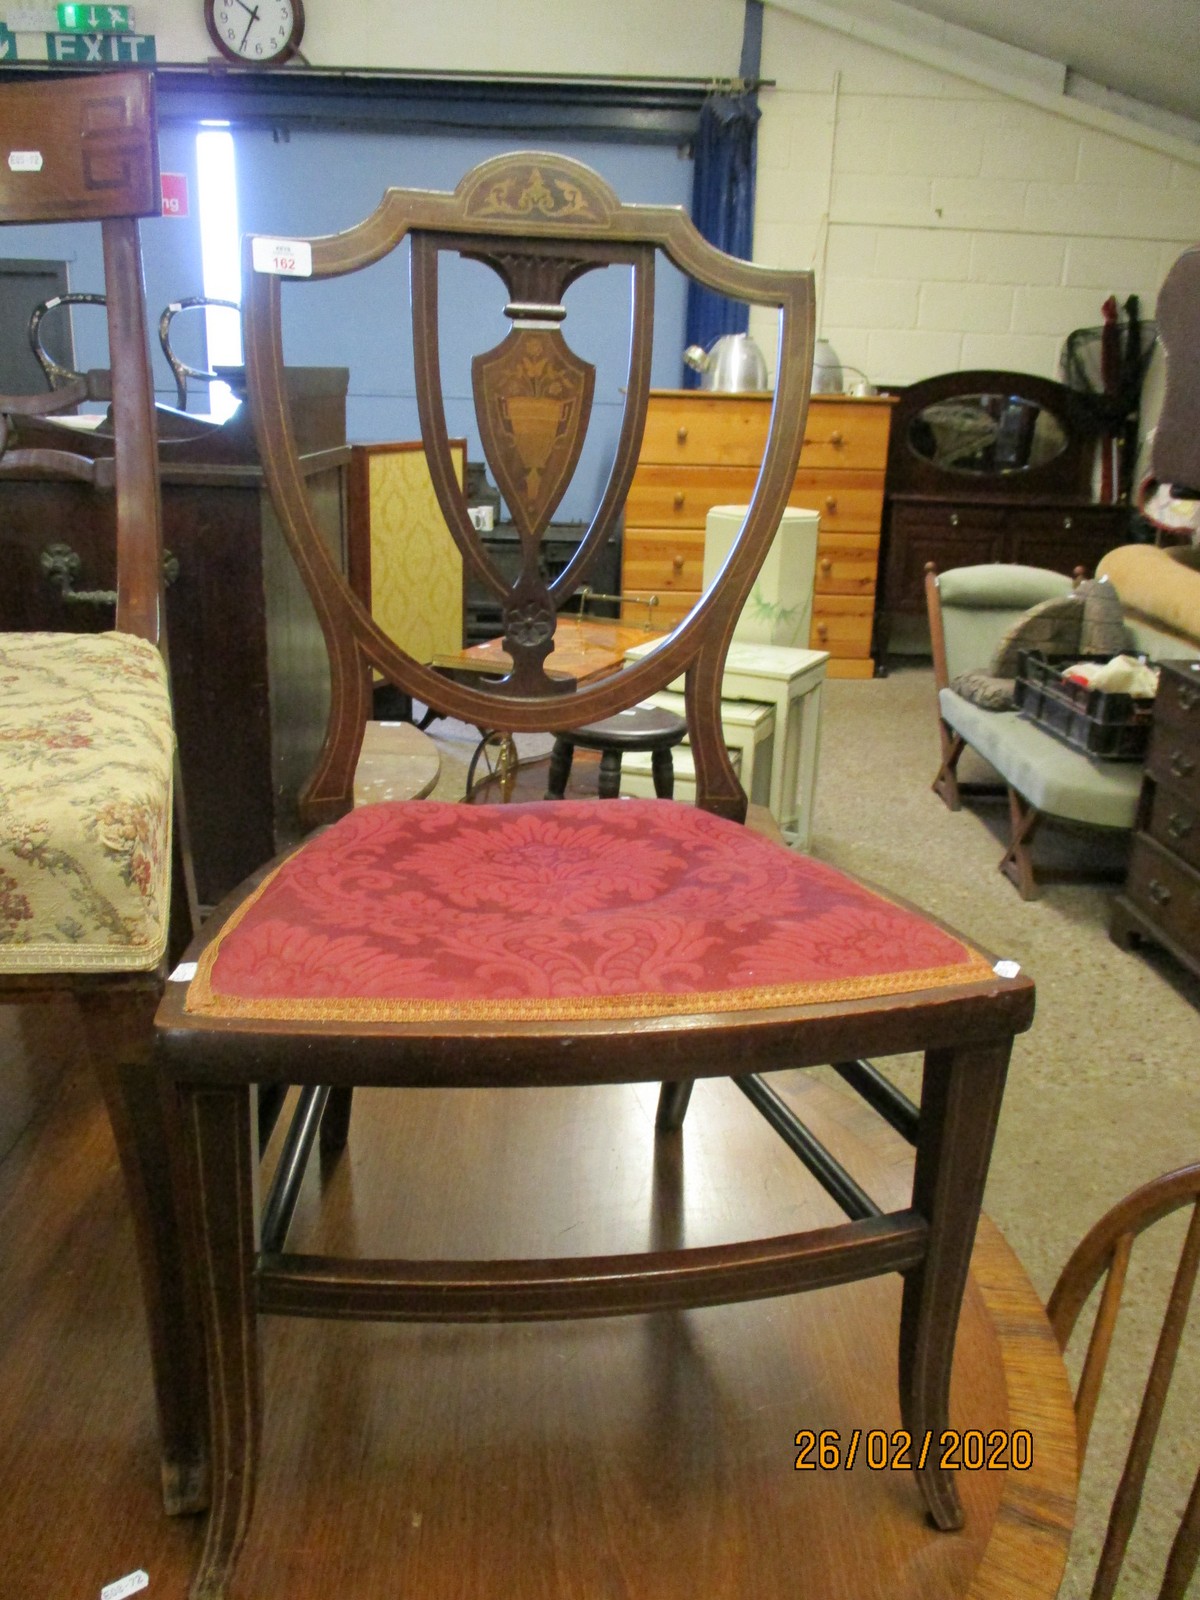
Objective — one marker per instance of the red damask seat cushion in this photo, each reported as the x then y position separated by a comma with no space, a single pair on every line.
424,912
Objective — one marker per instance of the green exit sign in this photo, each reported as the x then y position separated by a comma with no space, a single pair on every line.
95,19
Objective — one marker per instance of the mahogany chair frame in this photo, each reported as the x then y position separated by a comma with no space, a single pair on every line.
540,221
97,142
1104,1254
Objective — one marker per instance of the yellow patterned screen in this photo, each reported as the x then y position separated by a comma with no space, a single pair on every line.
416,568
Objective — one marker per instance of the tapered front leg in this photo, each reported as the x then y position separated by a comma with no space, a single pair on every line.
335,1122
118,1023
672,1104
960,1105
222,1170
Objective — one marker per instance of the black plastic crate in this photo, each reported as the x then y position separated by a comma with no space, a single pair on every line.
1102,724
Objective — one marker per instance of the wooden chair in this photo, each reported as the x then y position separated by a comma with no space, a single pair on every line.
86,904
1105,1254
570,942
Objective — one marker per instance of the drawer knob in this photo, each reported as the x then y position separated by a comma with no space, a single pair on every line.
836,439
1189,697
1182,766
954,519
822,631
831,502
1068,523
826,566
1158,892
682,435
676,563
1178,826
679,497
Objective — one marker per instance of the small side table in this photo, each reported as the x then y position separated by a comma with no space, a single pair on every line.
748,730
643,728
790,680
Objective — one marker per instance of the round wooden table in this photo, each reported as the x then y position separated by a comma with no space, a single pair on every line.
638,1458
397,762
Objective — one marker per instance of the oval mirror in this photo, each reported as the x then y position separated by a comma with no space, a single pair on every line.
986,434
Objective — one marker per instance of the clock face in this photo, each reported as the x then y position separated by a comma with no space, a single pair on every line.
258,32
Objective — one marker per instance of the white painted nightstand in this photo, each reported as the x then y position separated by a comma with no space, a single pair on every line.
790,680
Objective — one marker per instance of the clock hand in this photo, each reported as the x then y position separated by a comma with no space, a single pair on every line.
249,25
244,6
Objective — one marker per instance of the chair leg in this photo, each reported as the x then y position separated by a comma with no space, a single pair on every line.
672,1105
335,1122
119,1028
561,758
945,785
221,1175
960,1105
1017,863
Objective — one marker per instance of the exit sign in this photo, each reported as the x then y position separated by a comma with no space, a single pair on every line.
95,19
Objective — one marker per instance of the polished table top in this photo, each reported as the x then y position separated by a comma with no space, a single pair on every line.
637,1458
584,648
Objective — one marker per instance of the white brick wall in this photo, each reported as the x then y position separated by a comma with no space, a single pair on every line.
966,228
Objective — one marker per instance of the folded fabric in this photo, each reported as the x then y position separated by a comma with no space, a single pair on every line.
1102,629
1122,675
1053,628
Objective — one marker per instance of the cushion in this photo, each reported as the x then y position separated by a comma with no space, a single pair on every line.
982,689
1051,627
1050,775
1000,586
428,912
1156,585
85,803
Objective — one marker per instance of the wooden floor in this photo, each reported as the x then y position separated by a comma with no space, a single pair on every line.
648,1457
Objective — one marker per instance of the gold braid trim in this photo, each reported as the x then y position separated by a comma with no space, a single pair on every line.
203,999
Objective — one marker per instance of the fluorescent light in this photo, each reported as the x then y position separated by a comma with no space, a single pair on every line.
220,253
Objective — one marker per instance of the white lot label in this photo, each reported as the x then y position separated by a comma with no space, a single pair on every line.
1007,969
285,258
25,160
184,972
130,1584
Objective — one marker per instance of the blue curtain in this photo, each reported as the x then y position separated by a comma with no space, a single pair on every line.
722,208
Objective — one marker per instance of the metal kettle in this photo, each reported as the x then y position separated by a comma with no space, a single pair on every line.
732,364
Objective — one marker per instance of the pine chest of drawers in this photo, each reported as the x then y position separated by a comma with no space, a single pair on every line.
701,450
1161,899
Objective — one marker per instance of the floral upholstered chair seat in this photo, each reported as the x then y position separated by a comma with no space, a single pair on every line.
86,752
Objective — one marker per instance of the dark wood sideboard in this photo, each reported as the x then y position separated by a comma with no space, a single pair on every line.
1010,480
1161,898
248,666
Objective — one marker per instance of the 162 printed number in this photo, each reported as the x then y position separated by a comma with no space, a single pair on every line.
972,1450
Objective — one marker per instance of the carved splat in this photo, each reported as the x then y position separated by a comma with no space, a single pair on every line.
533,400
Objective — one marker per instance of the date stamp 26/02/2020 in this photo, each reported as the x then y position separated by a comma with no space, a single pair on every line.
971,1449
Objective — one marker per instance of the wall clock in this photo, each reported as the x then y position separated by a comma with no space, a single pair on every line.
259,33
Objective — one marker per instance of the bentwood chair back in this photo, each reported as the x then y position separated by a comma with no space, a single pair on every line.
1103,1256
86,839
566,942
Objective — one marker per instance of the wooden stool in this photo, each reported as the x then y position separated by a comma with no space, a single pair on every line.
639,728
